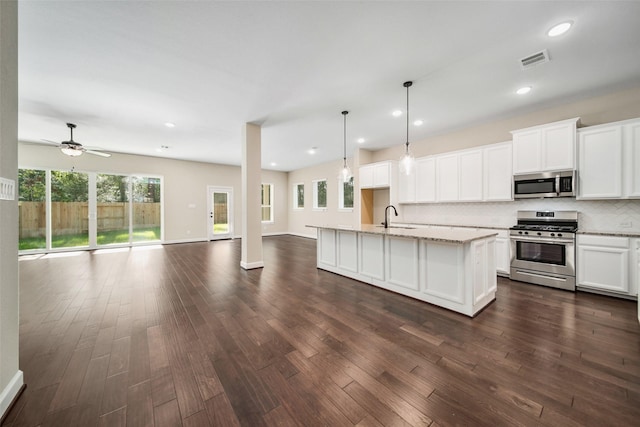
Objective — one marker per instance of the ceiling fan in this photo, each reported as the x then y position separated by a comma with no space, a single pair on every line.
74,149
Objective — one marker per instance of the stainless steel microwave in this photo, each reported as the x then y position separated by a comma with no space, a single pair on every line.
545,184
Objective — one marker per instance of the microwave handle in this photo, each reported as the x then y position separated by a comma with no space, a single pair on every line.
558,184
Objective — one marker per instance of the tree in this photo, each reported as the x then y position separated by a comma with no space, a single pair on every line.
32,185
69,186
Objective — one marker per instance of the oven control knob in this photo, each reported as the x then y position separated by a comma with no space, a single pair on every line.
559,234
553,234
526,232
539,233
519,232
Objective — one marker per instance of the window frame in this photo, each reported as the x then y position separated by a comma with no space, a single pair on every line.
316,207
341,194
271,219
296,206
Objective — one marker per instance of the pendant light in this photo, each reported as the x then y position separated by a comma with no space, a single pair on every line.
345,172
407,160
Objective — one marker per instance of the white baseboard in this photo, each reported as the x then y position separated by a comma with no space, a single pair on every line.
308,236
251,265
10,392
172,242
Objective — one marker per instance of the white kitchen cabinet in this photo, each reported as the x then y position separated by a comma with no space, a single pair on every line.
609,161
470,176
604,264
407,186
498,172
447,178
425,186
631,132
546,147
600,162
375,175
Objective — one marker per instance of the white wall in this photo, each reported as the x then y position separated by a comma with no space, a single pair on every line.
11,379
185,186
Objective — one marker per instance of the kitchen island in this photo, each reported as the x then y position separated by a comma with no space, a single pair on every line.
454,269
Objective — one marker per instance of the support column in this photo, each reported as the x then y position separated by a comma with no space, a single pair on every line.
11,379
251,198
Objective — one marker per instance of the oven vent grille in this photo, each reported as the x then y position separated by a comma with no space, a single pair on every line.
535,59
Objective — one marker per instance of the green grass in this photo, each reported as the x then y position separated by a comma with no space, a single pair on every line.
220,228
104,238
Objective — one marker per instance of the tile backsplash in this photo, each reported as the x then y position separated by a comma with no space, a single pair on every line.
601,215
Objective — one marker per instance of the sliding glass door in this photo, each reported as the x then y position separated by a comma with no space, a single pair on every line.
67,209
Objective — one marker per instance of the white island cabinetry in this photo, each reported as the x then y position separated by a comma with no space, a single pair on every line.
454,269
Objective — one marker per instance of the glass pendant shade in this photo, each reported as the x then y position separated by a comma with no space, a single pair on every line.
407,162
345,173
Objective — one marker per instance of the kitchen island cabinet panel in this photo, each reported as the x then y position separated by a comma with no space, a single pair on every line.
402,262
371,260
327,252
348,250
442,275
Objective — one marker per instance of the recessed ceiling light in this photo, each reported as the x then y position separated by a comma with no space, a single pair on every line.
170,125
523,90
312,150
361,140
396,113
418,122
273,164
561,28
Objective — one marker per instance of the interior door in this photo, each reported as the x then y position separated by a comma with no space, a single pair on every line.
220,212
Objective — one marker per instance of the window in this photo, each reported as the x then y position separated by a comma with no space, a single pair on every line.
298,196
267,202
32,196
69,209
320,194
346,194
87,209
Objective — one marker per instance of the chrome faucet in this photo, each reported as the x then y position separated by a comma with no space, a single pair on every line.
386,211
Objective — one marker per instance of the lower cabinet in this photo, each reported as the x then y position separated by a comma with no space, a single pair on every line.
606,264
503,251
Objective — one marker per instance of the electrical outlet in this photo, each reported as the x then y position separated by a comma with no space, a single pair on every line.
7,189
626,224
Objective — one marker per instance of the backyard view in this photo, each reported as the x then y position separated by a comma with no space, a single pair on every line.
119,217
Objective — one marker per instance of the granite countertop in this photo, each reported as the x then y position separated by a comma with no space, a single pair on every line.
439,235
488,227
611,233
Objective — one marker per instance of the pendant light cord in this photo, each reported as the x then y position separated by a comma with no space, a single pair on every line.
344,114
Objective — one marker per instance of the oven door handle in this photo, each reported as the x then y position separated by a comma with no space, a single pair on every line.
541,240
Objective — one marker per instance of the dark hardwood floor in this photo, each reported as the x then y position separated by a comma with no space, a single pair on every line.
180,335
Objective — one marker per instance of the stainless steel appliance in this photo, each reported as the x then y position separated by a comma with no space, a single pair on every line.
545,184
543,248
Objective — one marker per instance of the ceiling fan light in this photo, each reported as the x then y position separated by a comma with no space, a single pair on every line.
71,151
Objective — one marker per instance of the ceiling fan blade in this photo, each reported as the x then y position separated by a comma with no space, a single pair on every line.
48,142
97,153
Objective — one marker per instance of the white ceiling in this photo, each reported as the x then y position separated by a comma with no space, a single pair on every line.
121,69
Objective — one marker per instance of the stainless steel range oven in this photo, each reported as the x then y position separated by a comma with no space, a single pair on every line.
543,248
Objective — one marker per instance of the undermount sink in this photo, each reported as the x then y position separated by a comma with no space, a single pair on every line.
397,226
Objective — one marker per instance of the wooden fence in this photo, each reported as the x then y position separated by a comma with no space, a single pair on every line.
72,217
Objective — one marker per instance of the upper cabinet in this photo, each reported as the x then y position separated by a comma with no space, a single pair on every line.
474,175
548,147
497,172
375,175
609,161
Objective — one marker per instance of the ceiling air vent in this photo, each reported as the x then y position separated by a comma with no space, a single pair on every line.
535,59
